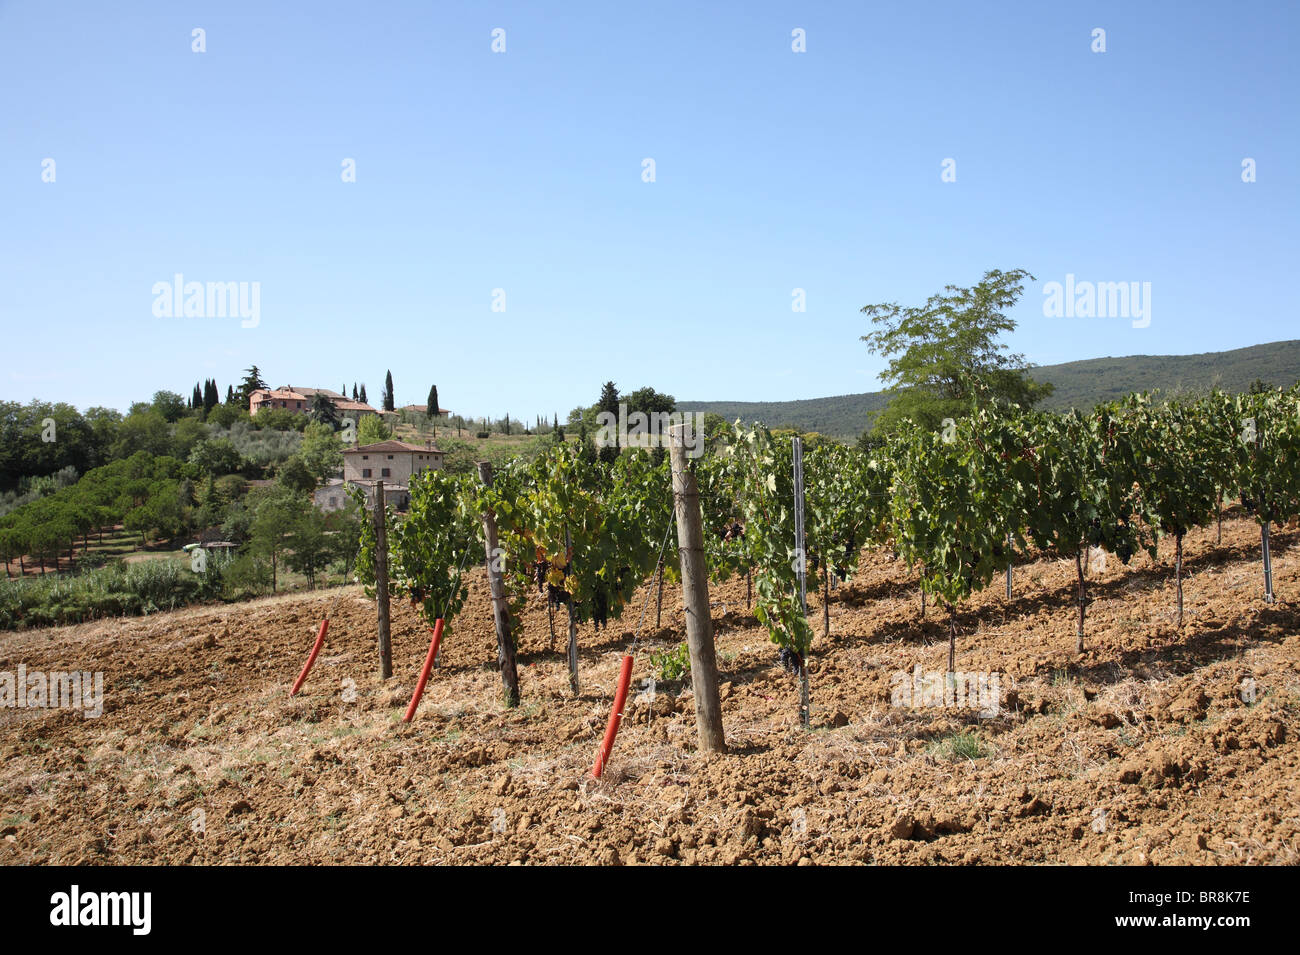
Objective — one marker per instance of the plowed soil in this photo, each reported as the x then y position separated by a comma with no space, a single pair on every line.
1155,746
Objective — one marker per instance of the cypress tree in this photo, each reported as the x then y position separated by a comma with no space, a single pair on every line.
388,391
609,402
364,399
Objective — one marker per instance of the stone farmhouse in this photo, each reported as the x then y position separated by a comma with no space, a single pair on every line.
393,462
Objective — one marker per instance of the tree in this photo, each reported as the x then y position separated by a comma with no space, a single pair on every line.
608,403
388,392
211,397
432,410
321,451
372,430
364,399
143,431
323,411
216,457
944,354
30,445
161,511
648,401
196,398
274,518
279,419
187,433
252,382
170,405
310,546
223,416
295,475
230,394
13,544
354,392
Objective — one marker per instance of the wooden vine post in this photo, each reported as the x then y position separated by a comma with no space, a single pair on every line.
500,606
381,584
695,596
801,549
573,625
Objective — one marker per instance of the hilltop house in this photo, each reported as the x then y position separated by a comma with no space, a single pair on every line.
300,400
279,398
393,462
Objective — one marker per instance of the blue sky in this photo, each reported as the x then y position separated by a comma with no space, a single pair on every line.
522,171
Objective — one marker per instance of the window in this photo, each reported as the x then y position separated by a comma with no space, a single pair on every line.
365,457
365,472
387,472
334,502
390,457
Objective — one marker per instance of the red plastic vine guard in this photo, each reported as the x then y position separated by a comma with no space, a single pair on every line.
424,673
615,717
311,659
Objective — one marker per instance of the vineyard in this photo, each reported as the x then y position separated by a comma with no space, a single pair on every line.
962,505
1145,705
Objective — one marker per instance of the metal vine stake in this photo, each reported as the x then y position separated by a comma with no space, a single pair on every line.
805,702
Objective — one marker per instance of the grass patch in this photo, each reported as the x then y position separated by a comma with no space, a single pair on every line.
958,746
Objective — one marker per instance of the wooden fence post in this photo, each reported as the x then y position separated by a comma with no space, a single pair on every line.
695,595
381,584
500,607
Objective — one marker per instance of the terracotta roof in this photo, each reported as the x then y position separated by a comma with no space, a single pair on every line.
342,405
279,393
423,409
389,447
310,392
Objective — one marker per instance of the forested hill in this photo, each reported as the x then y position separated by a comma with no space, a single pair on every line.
1079,384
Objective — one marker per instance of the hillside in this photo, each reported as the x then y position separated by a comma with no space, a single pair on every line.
1079,384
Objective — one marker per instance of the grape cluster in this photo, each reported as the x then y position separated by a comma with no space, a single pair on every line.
850,553
790,661
600,609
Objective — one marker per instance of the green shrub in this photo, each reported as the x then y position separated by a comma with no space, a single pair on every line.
115,589
672,664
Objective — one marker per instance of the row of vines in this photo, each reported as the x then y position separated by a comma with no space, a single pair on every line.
960,505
